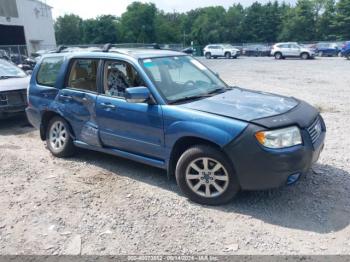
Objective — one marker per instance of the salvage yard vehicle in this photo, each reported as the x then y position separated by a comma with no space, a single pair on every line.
345,51
221,50
166,109
291,49
327,49
13,89
256,50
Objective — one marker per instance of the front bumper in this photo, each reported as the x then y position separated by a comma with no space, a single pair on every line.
260,168
12,103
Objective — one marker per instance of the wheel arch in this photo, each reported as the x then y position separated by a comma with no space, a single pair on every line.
183,144
45,119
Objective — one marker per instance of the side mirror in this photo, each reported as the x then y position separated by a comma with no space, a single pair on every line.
137,94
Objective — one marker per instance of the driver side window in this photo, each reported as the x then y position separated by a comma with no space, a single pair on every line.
118,76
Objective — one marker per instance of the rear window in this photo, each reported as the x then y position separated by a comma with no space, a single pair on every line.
49,70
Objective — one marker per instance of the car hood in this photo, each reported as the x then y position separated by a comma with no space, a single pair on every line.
14,83
243,104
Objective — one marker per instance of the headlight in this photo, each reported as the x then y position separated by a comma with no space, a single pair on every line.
280,138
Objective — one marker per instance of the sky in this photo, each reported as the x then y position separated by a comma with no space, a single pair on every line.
92,8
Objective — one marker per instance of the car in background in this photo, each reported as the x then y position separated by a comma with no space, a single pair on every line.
166,109
4,55
188,50
291,49
345,51
256,50
221,50
13,89
327,49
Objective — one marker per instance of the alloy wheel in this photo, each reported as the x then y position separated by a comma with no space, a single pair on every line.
207,177
58,136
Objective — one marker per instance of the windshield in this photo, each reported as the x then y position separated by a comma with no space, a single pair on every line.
229,46
182,77
8,70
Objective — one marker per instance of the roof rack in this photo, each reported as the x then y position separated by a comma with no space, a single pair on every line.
108,46
60,48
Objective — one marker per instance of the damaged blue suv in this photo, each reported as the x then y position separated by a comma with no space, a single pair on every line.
166,109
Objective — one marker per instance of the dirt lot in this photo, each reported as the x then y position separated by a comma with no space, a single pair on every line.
99,204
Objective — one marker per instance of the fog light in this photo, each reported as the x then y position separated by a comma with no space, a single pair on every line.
293,179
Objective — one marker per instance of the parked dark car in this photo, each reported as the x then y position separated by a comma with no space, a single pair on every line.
345,51
13,89
166,109
4,55
188,50
327,49
256,50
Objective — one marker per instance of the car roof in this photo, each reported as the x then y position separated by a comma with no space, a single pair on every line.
135,53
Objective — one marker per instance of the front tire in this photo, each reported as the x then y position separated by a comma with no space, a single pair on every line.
58,138
206,176
228,55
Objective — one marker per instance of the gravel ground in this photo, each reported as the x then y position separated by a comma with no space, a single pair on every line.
99,204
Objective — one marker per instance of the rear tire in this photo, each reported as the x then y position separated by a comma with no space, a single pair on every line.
206,176
58,138
278,56
208,55
305,56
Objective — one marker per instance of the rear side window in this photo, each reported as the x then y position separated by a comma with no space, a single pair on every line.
49,70
83,74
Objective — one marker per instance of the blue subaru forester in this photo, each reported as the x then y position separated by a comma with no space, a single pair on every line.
167,110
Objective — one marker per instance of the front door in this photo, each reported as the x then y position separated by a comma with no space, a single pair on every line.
77,100
135,128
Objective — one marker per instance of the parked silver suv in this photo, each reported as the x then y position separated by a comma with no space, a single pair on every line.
291,49
221,50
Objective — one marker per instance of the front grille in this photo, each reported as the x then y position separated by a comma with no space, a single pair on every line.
315,130
3,100
13,98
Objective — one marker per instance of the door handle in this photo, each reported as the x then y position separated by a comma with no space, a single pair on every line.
108,106
66,97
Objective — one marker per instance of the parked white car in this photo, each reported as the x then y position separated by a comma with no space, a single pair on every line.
221,50
291,49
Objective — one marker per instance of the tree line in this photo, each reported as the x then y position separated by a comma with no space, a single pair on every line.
307,20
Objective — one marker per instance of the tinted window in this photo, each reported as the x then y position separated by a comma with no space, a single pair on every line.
83,74
119,75
49,70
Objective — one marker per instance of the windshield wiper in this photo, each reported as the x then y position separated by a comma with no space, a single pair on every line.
7,77
187,98
218,90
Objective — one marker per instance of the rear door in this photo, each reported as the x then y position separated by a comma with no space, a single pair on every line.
78,99
135,128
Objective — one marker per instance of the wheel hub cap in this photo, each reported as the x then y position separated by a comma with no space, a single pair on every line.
58,135
207,177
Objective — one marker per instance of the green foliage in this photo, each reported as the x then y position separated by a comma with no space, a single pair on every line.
103,29
308,20
342,19
69,29
138,23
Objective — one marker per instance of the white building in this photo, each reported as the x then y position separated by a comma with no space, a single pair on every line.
27,22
